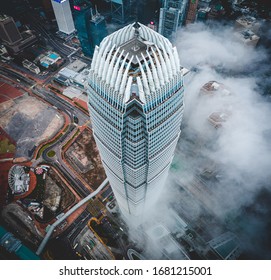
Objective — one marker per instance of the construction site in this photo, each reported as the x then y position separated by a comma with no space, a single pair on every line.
31,213
29,122
50,197
84,157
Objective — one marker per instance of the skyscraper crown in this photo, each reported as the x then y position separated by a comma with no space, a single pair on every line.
136,62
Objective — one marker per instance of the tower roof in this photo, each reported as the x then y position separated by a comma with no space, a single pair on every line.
135,61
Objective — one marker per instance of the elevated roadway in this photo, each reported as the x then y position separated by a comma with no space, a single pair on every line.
67,214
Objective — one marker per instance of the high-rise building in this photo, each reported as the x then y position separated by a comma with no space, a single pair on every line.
136,107
63,16
9,32
12,38
172,15
192,11
90,26
121,10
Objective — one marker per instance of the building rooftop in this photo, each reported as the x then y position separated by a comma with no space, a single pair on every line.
135,48
49,59
247,22
27,63
77,65
213,87
67,73
226,246
81,78
217,118
53,56
247,37
97,18
72,92
146,59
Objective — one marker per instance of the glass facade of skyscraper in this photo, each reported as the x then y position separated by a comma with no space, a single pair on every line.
90,26
136,107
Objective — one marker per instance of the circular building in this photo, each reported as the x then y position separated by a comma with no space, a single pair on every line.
18,179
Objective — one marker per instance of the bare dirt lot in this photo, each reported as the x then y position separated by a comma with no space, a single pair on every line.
84,157
29,121
52,193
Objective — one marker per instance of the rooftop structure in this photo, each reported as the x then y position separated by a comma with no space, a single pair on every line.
247,22
203,13
4,54
31,66
81,79
18,180
63,16
77,65
214,87
226,246
67,77
67,73
247,37
217,119
136,107
49,59
72,92
28,39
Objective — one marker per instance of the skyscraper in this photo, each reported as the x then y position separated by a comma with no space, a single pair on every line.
63,16
136,107
12,38
121,10
90,26
9,32
172,15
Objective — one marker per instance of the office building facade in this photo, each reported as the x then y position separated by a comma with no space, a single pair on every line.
172,15
136,106
63,16
90,26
